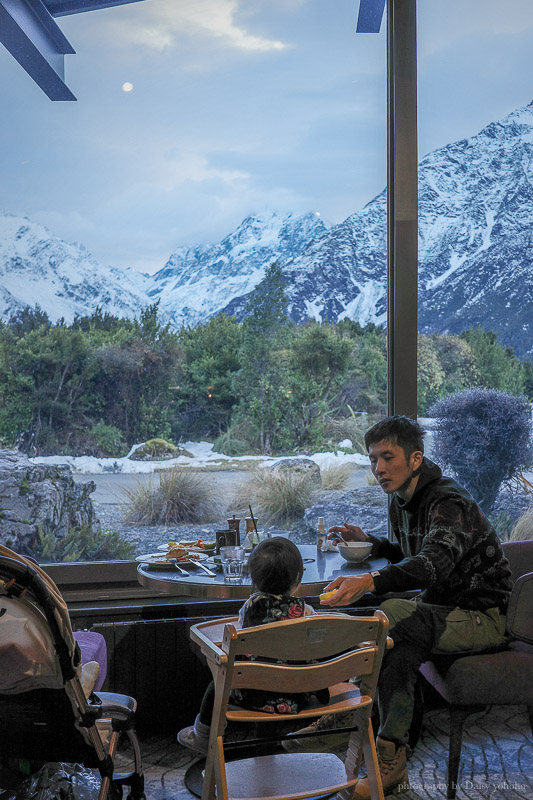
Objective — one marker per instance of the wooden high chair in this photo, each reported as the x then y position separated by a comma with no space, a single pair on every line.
341,647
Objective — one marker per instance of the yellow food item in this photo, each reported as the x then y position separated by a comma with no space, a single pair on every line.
179,553
327,595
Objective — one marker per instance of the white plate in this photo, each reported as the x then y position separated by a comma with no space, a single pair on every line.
158,562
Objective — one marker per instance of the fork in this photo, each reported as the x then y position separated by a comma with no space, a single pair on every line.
183,571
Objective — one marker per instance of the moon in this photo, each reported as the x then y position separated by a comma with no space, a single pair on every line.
127,87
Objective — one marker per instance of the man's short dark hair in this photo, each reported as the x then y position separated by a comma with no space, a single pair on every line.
276,566
400,430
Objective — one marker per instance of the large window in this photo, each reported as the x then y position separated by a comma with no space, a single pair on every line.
215,147
475,215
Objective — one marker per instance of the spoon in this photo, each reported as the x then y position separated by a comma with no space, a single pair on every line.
183,571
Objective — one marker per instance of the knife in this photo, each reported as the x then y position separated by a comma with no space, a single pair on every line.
205,569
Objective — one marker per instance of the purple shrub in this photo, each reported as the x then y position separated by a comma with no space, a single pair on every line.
484,437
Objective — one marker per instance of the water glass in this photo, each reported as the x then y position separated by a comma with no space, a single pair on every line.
232,563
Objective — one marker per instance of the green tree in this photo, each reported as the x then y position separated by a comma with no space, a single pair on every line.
319,359
57,362
262,381
205,390
137,368
365,385
497,366
430,375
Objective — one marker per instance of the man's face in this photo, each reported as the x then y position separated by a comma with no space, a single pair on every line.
392,469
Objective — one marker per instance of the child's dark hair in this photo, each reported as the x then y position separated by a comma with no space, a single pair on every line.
400,430
276,566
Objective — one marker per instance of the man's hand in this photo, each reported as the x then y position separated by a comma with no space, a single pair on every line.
348,589
350,533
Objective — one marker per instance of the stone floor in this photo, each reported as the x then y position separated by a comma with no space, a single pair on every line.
497,760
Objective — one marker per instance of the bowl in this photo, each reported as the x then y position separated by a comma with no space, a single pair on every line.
354,551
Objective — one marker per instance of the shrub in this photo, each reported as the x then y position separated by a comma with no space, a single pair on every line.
181,496
83,544
237,440
484,436
108,439
336,476
280,496
352,427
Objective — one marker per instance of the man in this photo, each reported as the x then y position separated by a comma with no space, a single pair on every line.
447,549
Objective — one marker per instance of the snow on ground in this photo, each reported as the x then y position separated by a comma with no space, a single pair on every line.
203,455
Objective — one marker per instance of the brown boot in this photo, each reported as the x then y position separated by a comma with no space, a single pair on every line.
393,768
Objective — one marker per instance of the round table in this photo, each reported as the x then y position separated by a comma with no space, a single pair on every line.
319,569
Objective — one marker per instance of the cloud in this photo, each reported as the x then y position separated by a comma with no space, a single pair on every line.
158,26
443,25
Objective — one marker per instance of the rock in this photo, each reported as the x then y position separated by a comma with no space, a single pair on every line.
366,507
158,450
42,497
300,466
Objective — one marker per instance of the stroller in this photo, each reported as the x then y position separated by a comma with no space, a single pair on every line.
47,714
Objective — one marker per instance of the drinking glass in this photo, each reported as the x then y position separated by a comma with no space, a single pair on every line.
232,563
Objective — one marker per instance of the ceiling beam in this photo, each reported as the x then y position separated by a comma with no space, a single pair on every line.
370,16
29,32
61,8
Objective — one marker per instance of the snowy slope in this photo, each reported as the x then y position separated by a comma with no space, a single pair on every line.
197,283
63,279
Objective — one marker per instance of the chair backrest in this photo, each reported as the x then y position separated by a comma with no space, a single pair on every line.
520,611
328,649
520,557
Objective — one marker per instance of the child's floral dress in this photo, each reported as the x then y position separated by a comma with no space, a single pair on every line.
260,609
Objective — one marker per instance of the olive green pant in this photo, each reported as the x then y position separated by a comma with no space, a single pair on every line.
420,630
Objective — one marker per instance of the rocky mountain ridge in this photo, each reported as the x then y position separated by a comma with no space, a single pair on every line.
475,254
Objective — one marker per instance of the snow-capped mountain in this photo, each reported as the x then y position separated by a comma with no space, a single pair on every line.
198,282
475,255
63,279
475,235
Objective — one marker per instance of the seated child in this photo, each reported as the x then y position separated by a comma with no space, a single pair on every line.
276,570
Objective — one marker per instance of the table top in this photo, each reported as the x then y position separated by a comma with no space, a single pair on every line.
319,570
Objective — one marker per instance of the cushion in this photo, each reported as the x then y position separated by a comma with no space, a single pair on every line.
93,648
485,679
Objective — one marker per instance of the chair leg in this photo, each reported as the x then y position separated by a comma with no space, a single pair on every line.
372,764
458,714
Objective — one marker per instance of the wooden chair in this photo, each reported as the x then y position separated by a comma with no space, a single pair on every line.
341,647
471,683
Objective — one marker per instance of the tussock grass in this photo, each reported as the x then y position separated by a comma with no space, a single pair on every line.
371,479
351,427
277,496
179,496
336,476
523,527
